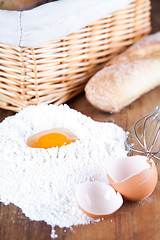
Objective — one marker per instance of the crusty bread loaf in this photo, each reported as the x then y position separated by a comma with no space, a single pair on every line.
19,4
127,76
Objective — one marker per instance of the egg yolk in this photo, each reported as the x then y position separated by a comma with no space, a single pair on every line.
56,137
52,140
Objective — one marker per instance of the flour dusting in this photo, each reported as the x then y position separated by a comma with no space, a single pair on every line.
146,41
42,182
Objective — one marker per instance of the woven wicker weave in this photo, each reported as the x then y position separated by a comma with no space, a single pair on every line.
57,71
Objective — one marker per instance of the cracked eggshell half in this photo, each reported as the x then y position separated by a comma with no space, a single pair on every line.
135,177
97,199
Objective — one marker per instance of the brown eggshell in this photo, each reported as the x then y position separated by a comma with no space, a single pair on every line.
137,186
97,199
96,216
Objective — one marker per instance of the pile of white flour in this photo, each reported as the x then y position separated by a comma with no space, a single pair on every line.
42,182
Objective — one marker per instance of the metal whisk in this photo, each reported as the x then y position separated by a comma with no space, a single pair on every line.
146,136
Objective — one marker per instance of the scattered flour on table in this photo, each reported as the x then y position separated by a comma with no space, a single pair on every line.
42,182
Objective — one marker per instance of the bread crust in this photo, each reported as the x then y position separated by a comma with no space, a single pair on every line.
127,76
19,4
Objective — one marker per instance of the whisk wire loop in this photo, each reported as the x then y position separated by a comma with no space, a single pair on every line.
149,139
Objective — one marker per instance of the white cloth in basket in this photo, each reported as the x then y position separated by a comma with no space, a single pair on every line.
53,20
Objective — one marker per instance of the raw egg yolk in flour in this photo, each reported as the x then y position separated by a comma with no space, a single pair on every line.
56,137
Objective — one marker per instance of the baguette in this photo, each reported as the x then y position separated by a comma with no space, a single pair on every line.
127,76
19,4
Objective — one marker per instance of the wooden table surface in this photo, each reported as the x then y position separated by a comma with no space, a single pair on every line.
139,220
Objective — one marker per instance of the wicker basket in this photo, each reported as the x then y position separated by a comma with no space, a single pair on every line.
58,70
